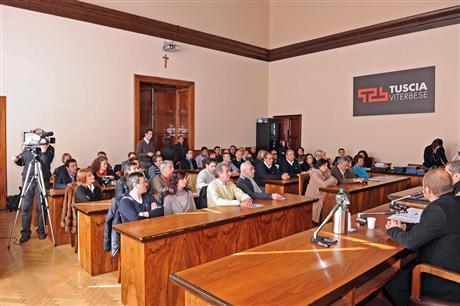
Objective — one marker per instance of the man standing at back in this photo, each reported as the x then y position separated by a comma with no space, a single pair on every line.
145,150
436,238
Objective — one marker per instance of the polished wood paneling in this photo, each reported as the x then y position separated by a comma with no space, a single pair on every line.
3,158
295,271
91,219
145,114
420,22
364,197
151,249
415,179
282,186
91,13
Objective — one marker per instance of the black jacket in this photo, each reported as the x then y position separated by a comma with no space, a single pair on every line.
62,179
121,188
238,163
437,239
112,238
45,159
59,169
180,152
431,159
246,185
84,194
286,167
264,173
185,164
129,209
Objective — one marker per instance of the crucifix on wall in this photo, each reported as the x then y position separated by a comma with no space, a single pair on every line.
166,58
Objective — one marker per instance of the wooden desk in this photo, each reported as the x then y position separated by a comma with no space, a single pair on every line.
153,248
419,202
91,219
295,271
282,186
415,179
364,197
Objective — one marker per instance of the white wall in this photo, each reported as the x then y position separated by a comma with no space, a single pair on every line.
320,87
76,79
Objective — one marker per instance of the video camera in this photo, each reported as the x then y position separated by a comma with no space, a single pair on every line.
37,137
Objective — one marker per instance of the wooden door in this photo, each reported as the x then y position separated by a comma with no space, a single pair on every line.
146,108
291,129
164,114
3,180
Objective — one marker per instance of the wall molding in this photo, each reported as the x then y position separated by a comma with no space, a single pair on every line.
91,13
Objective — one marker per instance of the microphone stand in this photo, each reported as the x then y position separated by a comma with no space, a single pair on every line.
456,155
323,240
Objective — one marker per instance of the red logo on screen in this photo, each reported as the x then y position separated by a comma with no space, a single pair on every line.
375,94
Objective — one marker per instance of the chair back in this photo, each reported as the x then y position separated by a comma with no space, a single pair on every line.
304,178
191,182
202,201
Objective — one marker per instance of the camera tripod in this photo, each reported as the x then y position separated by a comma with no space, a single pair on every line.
42,201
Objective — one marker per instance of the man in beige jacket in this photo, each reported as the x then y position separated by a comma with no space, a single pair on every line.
223,192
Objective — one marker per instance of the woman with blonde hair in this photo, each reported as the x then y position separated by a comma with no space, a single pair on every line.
87,190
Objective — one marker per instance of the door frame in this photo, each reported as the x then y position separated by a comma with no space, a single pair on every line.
3,159
299,116
164,81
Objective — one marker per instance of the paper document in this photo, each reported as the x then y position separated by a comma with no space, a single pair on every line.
412,216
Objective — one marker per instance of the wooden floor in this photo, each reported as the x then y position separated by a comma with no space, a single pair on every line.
36,273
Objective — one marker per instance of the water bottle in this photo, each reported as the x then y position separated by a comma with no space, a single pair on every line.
340,223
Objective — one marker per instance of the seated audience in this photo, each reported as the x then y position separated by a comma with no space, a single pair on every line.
177,197
434,155
68,176
159,182
103,154
86,190
232,151
223,192
282,149
290,165
321,154
104,176
276,159
189,162
200,158
367,160
247,156
342,172
267,170
253,152
212,154
207,175
341,154
145,149
320,177
300,155
121,186
218,154
238,160
125,162
436,238
359,169
310,160
453,168
138,204
227,159
62,167
249,186
260,157
154,170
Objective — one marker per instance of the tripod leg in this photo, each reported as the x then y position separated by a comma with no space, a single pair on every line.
25,188
44,204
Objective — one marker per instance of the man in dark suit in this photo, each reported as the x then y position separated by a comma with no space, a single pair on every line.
189,162
181,150
249,186
453,168
61,168
343,173
268,171
436,238
290,165
24,159
68,176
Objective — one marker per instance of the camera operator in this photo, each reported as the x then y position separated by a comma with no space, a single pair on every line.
24,159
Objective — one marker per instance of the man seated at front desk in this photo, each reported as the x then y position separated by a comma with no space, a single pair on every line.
68,176
223,192
342,172
206,175
436,238
247,183
290,165
121,186
454,170
138,204
267,170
